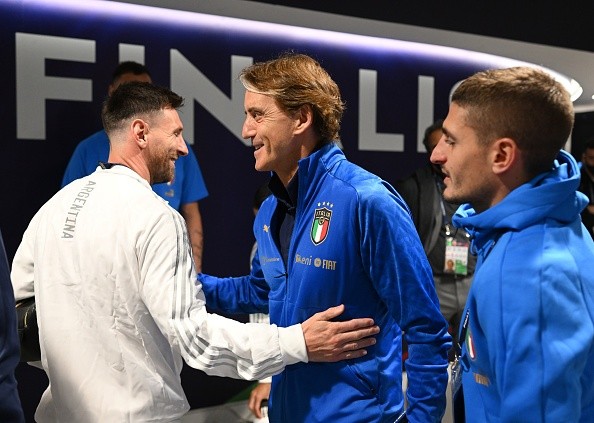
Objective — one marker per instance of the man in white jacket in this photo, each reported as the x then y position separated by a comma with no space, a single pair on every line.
110,265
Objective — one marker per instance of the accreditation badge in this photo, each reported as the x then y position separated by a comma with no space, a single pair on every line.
456,256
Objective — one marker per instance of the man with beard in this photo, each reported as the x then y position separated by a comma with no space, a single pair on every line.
183,192
110,265
528,327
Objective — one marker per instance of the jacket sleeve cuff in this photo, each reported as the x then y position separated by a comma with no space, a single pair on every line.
292,345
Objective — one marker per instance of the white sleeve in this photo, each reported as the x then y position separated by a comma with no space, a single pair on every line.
22,273
212,343
261,318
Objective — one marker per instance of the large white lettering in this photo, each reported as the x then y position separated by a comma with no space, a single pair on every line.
34,88
132,52
369,138
424,109
187,79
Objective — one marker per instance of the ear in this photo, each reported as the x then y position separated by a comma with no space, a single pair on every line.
139,130
505,156
303,119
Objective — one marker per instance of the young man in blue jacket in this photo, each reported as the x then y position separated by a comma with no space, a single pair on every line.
528,340
333,233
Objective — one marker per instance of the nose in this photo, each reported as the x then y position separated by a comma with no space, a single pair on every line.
249,128
182,147
437,155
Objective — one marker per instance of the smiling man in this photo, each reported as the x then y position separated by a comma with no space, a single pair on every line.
528,336
333,233
182,191
110,265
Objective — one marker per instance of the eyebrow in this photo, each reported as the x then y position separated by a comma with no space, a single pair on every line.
447,133
254,109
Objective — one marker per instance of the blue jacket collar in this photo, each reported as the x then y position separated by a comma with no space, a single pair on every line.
312,167
320,161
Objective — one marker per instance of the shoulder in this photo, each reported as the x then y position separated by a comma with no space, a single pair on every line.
370,190
128,189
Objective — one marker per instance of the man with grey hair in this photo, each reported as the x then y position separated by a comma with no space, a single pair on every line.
333,232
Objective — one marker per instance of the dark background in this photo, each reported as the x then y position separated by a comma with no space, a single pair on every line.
561,24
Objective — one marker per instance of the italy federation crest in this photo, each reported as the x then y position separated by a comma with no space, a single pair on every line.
320,225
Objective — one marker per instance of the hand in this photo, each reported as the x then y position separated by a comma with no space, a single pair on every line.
260,393
328,341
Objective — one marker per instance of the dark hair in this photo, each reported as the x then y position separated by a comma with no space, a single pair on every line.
129,67
438,124
261,194
136,99
522,103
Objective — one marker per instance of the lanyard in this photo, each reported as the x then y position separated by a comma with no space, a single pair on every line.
463,331
465,323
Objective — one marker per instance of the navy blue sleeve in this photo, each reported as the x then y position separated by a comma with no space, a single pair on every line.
10,404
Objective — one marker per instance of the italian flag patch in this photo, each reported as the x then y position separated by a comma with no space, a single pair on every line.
320,225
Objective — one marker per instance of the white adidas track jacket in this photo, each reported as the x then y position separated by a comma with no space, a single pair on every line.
109,263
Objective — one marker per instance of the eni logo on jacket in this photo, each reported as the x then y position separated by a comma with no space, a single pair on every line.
321,222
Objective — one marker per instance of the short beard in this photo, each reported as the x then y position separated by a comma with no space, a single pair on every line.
160,172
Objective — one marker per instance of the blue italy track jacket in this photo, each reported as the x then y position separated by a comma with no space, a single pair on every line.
353,243
529,349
